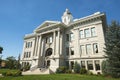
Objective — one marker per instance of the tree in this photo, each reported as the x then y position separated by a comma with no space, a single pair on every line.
1,49
11,62
18,65
112,49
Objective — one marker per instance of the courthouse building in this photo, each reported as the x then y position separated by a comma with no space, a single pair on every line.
62,43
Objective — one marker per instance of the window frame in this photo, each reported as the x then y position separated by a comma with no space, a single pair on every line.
88,50
90,65
87,34
93,32
95,51
81,34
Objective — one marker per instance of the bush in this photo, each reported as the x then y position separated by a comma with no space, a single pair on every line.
83,71
10,73
17,73
61,69
89,73
26,67
4,73
76,68
68,71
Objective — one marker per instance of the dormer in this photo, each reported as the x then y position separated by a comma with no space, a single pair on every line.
67,17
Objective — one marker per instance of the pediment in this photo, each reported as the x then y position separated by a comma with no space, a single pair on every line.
46,24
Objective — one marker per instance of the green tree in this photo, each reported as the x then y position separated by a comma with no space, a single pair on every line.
18,65
112,49
11,62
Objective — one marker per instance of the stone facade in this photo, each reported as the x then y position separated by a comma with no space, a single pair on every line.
54,43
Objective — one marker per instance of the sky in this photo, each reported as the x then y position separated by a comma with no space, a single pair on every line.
20,17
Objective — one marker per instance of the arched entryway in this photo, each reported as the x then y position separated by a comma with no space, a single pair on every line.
48,53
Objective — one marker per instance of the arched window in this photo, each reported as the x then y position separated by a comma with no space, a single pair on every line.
48,52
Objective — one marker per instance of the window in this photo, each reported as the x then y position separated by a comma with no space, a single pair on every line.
72,64
81,34
83,64
50,40
67,51
31,44
87,33
97,65
67,37
93,33
29,54
82,49
88,49
26,45
90,65
72,51
71,36
95,48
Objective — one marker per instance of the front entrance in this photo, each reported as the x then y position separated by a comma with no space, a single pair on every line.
47,54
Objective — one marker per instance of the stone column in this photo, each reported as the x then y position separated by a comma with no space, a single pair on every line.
86,64
61,43
39,46
58,42
77,44
54,42
36,45
93,65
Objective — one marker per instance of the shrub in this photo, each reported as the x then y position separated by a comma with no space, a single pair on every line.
61,69
89,73
17,73
76,68
68,71
4,73
11,73
26,67
83,71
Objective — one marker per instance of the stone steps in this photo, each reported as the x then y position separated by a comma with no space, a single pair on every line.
37,71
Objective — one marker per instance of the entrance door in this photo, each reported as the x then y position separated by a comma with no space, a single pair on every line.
48,63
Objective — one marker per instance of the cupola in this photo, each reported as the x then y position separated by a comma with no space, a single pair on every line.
67,17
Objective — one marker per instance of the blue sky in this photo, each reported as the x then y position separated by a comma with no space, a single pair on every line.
20,17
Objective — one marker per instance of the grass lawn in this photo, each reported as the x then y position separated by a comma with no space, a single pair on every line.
58,77
4,70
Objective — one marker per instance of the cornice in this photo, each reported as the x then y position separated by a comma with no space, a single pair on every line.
87,20
28,36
